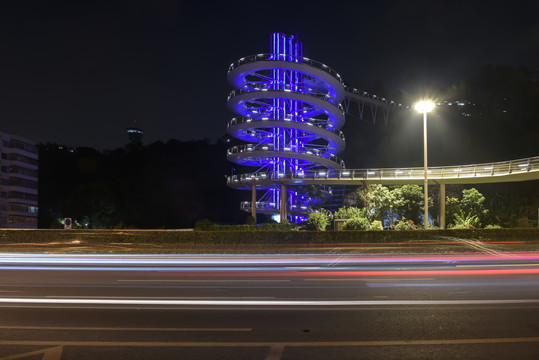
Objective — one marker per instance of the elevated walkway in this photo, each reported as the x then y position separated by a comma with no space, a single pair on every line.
506,171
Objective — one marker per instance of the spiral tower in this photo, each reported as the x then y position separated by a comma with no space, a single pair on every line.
289,114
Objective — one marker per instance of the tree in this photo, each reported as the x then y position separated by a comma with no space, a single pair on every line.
468,211
411,202
161,185
473,203
452,209
380,202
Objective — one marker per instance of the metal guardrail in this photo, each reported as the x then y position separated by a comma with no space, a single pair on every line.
271,207
485,171
374,97
287,58
247,119
246,148
329,100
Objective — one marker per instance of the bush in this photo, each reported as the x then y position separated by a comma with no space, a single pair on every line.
463,221
203,224
261,227
349,213
405,225
493,227
318,220
523,223
357,223
201,239
377,225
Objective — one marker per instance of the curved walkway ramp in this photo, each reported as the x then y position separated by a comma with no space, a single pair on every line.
506,171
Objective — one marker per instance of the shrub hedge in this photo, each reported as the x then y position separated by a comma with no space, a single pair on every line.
236,237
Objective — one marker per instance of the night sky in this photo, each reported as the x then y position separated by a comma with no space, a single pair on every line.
79,73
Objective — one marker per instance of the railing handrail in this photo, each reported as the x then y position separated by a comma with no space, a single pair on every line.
255,147
236,92
375,97
303,60
516,166
246,119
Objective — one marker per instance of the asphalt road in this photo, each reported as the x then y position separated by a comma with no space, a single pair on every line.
469,306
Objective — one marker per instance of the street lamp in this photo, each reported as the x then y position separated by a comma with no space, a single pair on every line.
424,107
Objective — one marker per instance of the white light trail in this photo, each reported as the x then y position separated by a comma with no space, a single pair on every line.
207,302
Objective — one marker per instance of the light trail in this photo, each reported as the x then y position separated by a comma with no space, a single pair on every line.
220,266
210,259
241,303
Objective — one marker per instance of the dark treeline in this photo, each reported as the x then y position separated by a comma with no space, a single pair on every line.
160,185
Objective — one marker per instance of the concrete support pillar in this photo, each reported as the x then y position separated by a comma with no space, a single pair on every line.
253,202
442,206
283,203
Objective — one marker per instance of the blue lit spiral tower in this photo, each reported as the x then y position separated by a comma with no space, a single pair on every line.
289,114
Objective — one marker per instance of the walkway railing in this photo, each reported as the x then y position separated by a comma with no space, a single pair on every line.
514,170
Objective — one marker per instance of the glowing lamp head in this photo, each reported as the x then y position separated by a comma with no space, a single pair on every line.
424,106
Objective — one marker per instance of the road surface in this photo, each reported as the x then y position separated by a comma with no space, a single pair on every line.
269,307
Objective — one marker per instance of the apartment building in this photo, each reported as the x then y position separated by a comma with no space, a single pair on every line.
18,182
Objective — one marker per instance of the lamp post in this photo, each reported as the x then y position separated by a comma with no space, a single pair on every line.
424,107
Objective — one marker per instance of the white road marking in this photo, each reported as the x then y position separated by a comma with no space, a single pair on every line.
166,297
54,353
273,345
203,280
91,328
